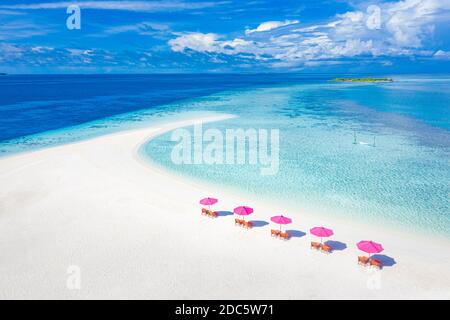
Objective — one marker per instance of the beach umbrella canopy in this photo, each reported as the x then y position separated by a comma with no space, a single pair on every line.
208,201
321,232
281,220
243,210
369,246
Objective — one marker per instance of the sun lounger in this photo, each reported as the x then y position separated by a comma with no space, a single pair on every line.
209,213
275,233
326,248
248,224
375,263
316,245
284,235
239,222
363,260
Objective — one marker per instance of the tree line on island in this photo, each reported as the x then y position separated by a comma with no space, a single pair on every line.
363,79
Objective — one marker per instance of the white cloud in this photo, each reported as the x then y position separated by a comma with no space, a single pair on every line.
41,49
402,29
21,29
145,6
410,20
441,54
80,52
353,16
270,25
142,28
208,42
155,30
10,13
15,56
316,63
201,42
10,48
9,52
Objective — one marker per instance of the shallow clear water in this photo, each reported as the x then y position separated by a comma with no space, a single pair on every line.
403,180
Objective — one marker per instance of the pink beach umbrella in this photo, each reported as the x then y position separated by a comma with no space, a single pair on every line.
369,247
281,220
208,202
243,210
321,232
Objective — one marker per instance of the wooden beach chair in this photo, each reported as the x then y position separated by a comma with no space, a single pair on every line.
248,224
211,214
275,233
363,260
284,235
204,211
316,245
239,222
326,248
376,263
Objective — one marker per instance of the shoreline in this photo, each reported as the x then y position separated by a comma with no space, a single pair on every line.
277,206
101,189
378,231
325,218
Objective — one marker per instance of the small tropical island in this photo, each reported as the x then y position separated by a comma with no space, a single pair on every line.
363,79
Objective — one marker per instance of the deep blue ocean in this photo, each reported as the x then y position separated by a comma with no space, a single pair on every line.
402,181
32,104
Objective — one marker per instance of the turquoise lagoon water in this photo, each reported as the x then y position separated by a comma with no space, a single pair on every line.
402,181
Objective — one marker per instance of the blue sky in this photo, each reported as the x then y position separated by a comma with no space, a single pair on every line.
226,36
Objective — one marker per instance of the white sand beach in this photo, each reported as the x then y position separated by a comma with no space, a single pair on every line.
135,231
